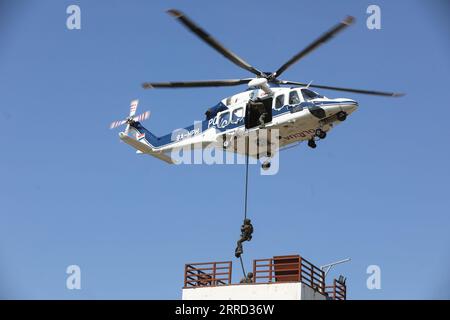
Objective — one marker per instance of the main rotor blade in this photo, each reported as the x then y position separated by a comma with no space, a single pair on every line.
321,40
213,42
360,91
194,84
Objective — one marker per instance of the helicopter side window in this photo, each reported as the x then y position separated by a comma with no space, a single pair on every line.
224,119
279,101
293,97
309,95
237,115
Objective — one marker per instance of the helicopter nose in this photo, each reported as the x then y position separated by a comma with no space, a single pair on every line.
349,106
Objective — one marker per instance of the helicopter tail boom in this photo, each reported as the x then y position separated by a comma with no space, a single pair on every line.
143,147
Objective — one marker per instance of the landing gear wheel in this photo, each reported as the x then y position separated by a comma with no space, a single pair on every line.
320,133
341,116
265,165
312,144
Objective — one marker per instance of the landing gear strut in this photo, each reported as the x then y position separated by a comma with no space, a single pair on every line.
320,133
265,165
312,143
341,116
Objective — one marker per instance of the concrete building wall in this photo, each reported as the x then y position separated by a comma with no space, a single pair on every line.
269,291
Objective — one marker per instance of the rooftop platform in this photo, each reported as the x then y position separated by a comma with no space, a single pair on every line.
290,277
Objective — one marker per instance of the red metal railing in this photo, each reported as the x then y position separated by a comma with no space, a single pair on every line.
337,291
293,268
207,274
289,269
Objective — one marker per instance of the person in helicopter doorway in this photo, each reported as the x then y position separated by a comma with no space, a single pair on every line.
246,235
262,119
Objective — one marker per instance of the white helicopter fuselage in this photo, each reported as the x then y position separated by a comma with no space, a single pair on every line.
297,114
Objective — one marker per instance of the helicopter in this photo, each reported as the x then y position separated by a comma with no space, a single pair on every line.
290,108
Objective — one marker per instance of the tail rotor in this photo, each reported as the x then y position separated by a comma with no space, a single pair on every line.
131,118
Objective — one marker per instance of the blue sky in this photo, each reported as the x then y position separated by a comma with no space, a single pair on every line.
375,190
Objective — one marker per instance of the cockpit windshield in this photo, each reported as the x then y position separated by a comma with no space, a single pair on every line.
309,94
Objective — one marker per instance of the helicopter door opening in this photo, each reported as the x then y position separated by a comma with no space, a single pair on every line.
258,113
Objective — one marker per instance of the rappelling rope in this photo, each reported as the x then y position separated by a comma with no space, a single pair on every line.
246,177
242,265
247,142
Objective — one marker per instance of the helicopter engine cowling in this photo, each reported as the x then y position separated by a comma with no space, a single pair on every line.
260,83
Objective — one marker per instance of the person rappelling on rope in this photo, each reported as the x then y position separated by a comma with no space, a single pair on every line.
246,235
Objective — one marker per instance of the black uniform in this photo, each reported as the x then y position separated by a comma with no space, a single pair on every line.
246,235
